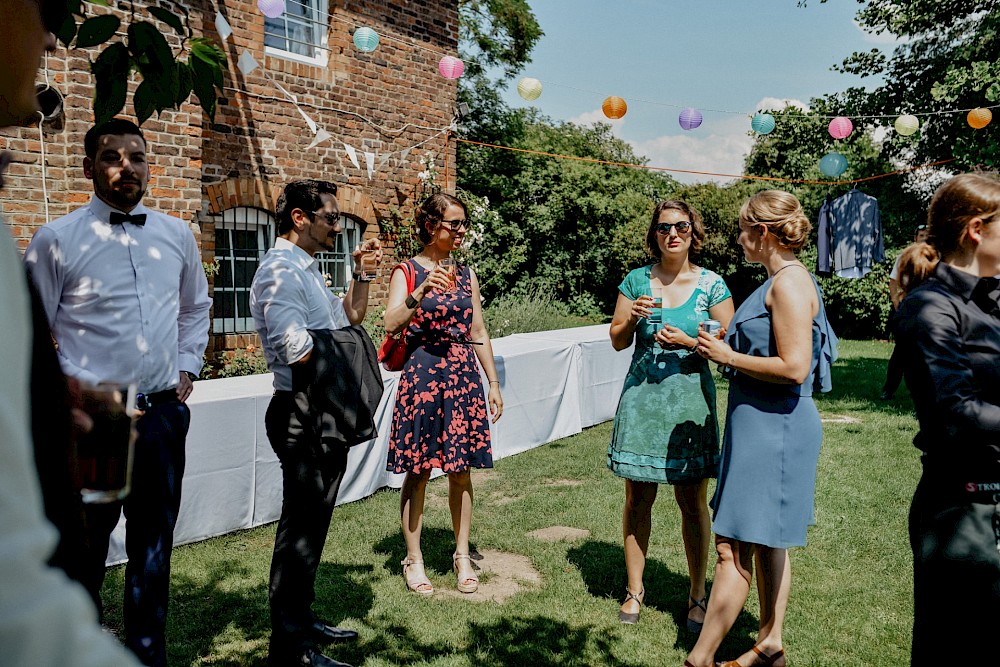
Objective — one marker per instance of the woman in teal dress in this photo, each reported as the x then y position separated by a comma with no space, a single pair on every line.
666,430
778,351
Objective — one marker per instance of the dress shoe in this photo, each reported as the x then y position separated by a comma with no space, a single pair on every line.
327,634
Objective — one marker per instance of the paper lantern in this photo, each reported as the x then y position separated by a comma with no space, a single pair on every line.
762,123
689,118
272,9
906,125
366,39
530,89
979,118
833,164
614,107
451,67
841,127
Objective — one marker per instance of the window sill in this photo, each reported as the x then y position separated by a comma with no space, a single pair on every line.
319,61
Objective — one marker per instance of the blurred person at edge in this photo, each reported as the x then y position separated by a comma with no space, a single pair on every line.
949,334
45,618
894,372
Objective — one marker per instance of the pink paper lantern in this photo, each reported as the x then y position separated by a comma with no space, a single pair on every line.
689,118
451,67
841,127
272,9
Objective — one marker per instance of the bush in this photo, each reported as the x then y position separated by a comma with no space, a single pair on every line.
243,362
857,307
530,311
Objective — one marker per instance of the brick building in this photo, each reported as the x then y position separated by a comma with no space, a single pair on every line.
223,178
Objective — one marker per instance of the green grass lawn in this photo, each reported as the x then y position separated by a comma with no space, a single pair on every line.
851,586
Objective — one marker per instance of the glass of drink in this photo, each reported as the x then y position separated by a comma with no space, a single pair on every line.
107,451
656,316
367,267
449,265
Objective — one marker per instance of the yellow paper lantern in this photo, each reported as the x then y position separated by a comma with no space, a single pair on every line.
907,124
528,88
614,107
979,118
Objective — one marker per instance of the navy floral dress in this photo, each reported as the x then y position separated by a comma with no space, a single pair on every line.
440,418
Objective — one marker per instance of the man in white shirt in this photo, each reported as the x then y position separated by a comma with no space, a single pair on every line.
45,618
289,296
894,372
127,300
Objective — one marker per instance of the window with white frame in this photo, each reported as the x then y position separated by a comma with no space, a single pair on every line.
242,236
339,264
300,33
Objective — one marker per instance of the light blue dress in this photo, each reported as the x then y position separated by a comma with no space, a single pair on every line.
666,429
767,475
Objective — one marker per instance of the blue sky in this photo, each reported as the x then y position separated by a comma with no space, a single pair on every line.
732,55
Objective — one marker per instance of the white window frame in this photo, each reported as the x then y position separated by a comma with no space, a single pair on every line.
241,218
318,18
339,264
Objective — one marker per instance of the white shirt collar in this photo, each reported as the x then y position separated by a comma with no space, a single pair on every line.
102,210
297,255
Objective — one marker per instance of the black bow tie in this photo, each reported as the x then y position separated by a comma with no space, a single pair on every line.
122,218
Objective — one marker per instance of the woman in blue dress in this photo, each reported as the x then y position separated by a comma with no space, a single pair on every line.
778,351
665,429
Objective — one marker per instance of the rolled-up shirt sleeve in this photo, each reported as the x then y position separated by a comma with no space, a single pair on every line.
281,298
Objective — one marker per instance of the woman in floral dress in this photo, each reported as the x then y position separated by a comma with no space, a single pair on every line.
666,429
440,419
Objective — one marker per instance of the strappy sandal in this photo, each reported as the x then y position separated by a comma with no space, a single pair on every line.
695,626
414,583
624,616
762,659
464,587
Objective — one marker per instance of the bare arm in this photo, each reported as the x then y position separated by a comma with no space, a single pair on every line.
626,318
356,299
479,334
793,303
397,313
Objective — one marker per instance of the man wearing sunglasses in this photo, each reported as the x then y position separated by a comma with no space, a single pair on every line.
288,298
894,373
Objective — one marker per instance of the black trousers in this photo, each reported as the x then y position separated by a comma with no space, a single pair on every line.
310,482
956,576
151,511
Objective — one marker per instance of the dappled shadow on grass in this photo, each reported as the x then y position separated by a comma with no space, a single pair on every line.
437,545
861,379
602,567
538,640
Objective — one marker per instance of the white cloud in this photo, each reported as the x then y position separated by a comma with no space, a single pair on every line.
718,148
777,104
597,116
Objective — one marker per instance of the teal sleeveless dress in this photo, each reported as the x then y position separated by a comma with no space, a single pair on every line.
767,475
666,429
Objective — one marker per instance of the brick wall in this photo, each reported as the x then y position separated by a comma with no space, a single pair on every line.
257,136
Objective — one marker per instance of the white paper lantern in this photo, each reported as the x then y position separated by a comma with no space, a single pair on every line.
906,125
530,89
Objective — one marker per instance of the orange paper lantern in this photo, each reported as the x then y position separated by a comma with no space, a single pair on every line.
614,107
979,118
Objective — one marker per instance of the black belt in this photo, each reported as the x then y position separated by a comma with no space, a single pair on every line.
147,401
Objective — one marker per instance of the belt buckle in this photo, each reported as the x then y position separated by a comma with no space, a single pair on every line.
142,402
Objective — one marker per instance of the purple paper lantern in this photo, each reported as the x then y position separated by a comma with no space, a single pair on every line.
272,9
841,127
451,67
689,118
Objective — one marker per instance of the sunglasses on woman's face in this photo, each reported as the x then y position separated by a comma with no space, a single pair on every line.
455,225
664,228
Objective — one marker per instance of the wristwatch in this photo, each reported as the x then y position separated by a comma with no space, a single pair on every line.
356,277
410,302
191,376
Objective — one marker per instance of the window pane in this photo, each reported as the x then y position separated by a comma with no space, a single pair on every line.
243,239
224,304
224,278
243,303
221,240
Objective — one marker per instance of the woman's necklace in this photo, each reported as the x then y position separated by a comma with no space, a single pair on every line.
785,267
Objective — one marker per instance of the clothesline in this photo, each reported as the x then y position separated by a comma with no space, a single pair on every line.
777,179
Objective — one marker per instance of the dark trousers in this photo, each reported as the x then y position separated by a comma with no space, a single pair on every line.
310,482
956,576
151,511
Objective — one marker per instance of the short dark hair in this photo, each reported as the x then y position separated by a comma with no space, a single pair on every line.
697,227
115,126
304,195
432,210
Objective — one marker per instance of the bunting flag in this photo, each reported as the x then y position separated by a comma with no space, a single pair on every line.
370,163
353,154
321,136
247,63
222,27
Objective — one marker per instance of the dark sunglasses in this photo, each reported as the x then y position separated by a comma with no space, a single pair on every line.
664,228
921,228
452,225
331,218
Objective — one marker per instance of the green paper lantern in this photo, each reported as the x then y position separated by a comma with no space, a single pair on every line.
906,125
762,123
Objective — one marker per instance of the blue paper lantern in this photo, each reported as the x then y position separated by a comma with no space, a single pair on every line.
689,118
366,39
762,123
833,164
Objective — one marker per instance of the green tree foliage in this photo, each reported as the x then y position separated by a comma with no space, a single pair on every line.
568,228
949,58
165,80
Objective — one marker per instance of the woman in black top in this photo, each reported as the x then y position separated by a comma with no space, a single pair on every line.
950,329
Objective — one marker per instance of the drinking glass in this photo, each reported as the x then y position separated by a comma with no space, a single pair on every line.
449,265
107,451
656,316
367,266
